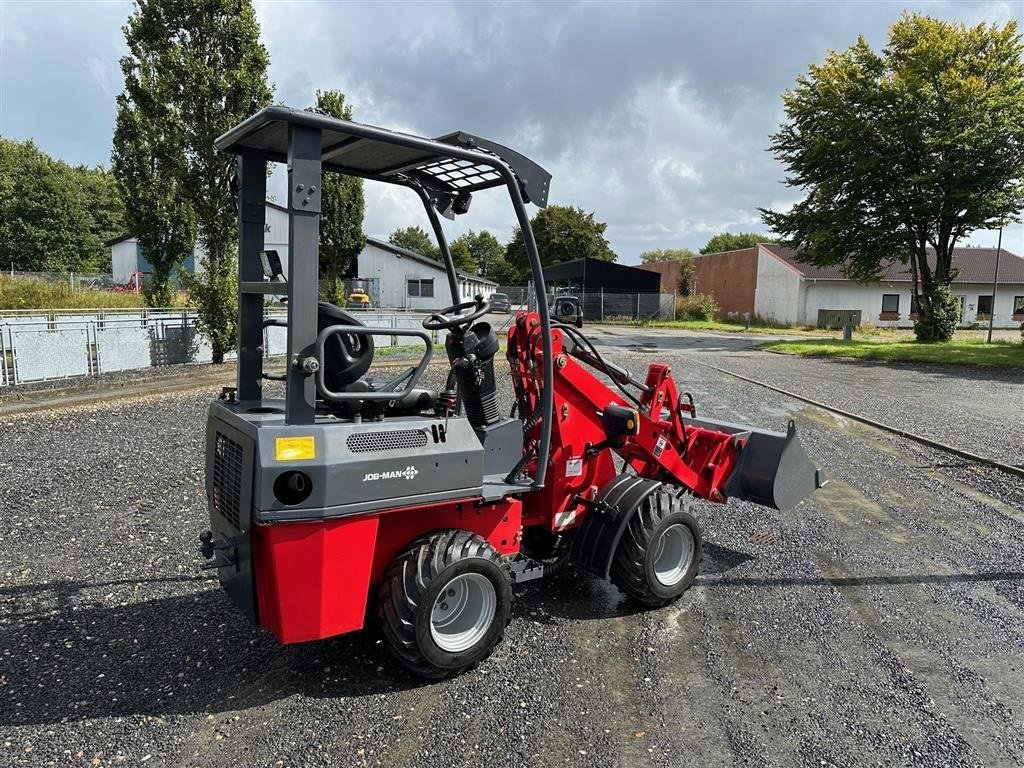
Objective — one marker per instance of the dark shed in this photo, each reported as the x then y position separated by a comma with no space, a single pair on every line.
594,275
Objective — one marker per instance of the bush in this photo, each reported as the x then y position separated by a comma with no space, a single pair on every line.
700,306
941,322
215,295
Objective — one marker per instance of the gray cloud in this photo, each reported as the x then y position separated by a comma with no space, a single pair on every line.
655,116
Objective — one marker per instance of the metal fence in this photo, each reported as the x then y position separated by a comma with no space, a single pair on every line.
43,345
605,306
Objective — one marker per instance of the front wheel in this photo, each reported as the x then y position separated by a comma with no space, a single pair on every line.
444,603
659,553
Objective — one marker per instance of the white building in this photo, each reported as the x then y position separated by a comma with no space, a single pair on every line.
411,280
127,256
771,281
400,278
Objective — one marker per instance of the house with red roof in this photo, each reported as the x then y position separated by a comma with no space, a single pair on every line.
773,282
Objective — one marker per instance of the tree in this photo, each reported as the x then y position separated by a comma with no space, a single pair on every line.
484,250
415,239
683,257
734,241
148,155
195,68
563,233
54,217
905,151
503,273
342,206
462,257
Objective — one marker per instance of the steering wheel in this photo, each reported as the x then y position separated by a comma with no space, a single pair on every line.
452,316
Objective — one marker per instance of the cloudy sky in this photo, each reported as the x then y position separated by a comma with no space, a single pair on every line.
655,116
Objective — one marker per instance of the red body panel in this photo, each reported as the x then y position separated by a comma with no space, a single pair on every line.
313,579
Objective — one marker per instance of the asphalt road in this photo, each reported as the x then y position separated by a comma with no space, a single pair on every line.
879,623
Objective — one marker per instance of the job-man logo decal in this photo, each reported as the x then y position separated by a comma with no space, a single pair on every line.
408,473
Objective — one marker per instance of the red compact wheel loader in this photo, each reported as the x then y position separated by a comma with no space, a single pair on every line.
355,498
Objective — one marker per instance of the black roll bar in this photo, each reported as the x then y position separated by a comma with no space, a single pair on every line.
258,140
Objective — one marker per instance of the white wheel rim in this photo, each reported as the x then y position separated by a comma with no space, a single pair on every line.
463,612
674,555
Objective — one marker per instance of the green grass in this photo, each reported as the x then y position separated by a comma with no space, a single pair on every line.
956,352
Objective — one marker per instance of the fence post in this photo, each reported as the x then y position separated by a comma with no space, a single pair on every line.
602,303
638,306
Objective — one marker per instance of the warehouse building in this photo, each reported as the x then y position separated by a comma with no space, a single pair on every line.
409,280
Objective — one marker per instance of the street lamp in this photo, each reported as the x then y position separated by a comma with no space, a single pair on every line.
995,282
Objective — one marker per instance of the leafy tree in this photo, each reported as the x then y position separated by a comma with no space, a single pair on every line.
484,249
503,273
415,239
916,146
105,209
54,217
683,257
148,155
342,207
734,241
563,233
194,69
462,256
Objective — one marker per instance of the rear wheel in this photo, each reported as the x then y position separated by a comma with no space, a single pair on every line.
444,603
659,553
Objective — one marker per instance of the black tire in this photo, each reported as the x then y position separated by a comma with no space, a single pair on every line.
634,569
413,585
579,323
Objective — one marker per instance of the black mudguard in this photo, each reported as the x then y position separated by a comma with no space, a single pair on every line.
606,520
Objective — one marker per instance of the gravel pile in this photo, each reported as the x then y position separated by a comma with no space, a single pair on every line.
878,624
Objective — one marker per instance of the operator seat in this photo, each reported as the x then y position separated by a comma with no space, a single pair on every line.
347,358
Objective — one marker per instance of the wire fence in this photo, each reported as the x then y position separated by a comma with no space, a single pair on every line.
603,306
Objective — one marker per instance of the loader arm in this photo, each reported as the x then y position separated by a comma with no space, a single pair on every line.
668,443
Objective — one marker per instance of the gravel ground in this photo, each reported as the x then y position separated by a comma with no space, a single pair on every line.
877,624
975,409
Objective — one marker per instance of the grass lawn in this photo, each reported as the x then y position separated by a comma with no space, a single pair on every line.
957,352
724,327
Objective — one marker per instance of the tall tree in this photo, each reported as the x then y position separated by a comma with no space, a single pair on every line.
415,239
484,250
195,68
681,256
462,257
342,206
734,241
148,155
905,150
563,233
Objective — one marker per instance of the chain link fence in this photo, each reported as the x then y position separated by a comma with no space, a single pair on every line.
603,306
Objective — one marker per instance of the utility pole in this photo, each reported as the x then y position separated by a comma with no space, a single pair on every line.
995,282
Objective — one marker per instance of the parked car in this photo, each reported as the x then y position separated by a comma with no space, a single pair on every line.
500,302
569,310
359,301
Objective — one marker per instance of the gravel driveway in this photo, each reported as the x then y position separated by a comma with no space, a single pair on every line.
878,624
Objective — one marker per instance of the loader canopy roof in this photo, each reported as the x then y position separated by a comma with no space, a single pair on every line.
457,162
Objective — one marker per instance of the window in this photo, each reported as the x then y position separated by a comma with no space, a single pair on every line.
423,288
985,305
1018,305
890,303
